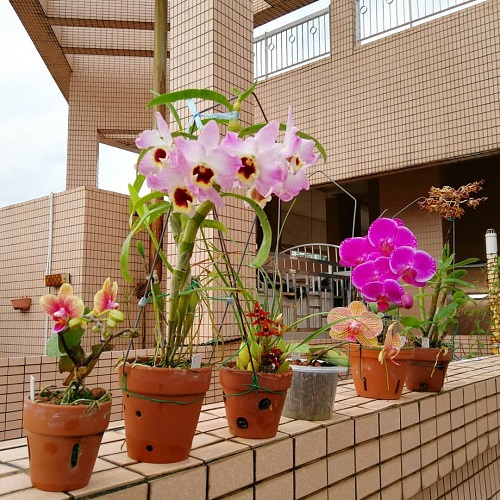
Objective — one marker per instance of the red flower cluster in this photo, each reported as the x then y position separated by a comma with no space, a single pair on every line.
266,327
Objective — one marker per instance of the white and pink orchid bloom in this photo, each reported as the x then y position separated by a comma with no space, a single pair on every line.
208,164
261,161
158,143
62,307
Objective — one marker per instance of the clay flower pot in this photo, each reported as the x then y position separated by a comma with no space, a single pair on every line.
161,408
375,380
428,369
252,413
63,442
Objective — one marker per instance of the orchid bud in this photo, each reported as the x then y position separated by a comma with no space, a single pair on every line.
406,301
116,315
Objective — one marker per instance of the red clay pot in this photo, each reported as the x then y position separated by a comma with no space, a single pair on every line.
428,370
378,381
63,442
253,414
161,409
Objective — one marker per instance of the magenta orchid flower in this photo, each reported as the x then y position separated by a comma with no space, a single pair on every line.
386,235
105,298
372,270
355,251
383,293
415,267
62,307
355,324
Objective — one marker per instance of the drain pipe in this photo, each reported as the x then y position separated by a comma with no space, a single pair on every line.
493,279
48,267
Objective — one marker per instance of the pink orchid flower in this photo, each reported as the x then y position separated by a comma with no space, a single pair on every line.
387,234
105,299
415,267
383,293
262,164
62,307
160,143
207,164
355,324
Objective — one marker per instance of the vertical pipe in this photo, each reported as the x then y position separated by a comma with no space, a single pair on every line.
493,280
160,87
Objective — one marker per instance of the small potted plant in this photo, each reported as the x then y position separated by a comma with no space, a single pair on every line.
387,255
314,382
442,299
191,172
64,427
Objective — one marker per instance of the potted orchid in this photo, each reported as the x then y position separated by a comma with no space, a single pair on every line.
191,173
387,256
64,427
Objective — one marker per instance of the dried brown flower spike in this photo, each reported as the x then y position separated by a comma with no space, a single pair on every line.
449,201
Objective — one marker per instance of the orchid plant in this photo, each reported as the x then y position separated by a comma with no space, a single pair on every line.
191,172
356,323
71,320
381,260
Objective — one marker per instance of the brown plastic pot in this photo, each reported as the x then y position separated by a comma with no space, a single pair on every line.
251,413
428,369
375,380
161,408
63,442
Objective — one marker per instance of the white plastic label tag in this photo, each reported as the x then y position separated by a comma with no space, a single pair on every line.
425,342
295,356
196,361
403,340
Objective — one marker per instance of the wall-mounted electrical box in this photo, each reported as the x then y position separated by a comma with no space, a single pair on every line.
56,279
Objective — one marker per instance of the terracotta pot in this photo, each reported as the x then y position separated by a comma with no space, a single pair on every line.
253,414
428,370
161,408
63,442
378,381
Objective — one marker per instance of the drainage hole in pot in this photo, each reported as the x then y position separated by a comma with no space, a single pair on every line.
75,453
242,423
149,447
138,413
264,404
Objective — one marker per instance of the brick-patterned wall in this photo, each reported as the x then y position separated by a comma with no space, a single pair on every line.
424,95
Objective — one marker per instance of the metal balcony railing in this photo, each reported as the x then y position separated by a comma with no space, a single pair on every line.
379,18
295,44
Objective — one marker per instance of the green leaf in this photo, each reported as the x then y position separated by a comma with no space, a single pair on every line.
65,364
140,250
174,113
140,224
466,262
73,337
214,224
265,247
410,321
53,346
242,97
182,95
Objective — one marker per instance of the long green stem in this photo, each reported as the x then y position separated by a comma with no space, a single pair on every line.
180,276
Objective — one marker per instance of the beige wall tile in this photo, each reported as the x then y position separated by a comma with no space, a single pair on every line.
266,462
310,478
309,446
277,487
230,474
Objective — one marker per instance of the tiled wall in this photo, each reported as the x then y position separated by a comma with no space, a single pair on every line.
423,95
